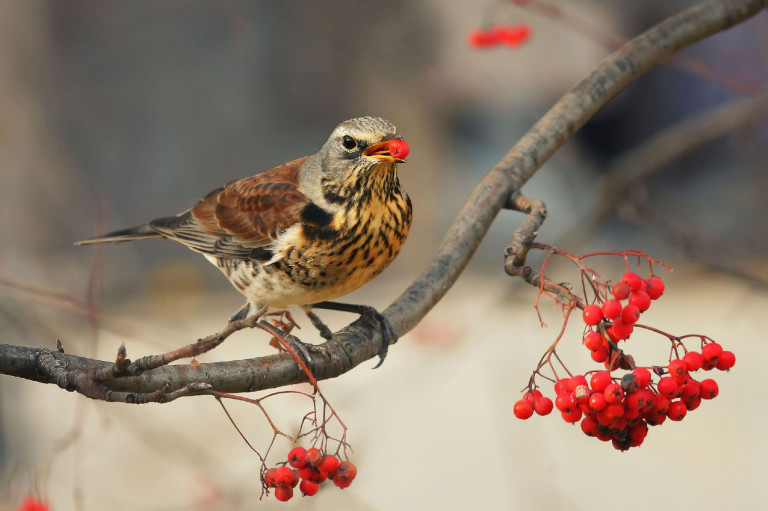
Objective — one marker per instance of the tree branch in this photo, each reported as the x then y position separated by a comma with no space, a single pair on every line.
361,341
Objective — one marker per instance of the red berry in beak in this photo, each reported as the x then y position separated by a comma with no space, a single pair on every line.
399,149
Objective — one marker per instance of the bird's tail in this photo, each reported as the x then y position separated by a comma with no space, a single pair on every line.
142,232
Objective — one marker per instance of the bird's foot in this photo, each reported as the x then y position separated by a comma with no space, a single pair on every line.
370,314
284,325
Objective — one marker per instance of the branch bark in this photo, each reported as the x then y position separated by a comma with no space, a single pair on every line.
361,340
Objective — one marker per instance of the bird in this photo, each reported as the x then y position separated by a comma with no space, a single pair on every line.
305,232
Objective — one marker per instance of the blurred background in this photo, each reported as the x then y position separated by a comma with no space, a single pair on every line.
115,113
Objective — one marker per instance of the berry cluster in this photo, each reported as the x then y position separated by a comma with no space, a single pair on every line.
617,319
499,35
311,468
621,407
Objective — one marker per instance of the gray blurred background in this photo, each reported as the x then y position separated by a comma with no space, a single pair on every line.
114,113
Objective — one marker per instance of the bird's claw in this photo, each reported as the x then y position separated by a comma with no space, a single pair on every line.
304,349
388,334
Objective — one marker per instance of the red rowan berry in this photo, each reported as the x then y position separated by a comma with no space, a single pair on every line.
307,472
575,381
613,393
600,380
399,148
658,414
269,477
635,401
329,464
611,309
597,401
639,431
668,387
726,360
297,458
677,411
316,476
308,488
621,330
629,383
283,493
620,290
523,409
693,404
574,415
621,444
643,376
345,473
620,423
283,476
630,314
590,426
678,370
655,287
543,406
481,39
517,35
496,34
603,435
711,352
614,411
662,405
592,314
690,390
630,414
581,394
314,456
565,402
593,340
603,419
709,389
600,354
693,361
561,385
650,399
633,280
641,300
30,503
532,395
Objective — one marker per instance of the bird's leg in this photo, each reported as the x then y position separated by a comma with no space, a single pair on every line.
242,313
388,334
325,332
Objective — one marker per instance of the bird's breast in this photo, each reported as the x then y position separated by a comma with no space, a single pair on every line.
357,244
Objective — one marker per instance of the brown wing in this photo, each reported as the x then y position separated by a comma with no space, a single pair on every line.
241,219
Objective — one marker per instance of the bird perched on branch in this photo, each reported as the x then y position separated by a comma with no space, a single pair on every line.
305,232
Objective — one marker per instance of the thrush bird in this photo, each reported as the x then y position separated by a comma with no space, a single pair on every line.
305,232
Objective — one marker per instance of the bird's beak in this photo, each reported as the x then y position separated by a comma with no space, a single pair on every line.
380,151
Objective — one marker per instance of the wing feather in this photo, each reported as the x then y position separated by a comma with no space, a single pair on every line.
244,215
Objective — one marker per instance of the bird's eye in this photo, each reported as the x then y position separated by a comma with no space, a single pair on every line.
348,142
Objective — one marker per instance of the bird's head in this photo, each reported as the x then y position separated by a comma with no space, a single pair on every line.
358,150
